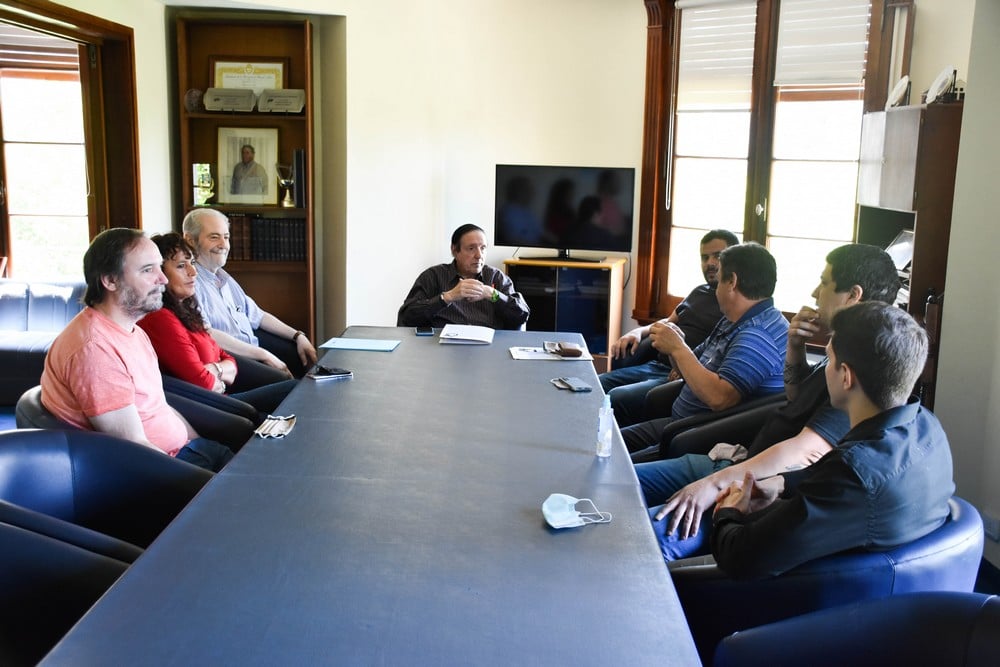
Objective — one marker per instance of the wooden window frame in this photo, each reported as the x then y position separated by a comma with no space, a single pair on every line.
652,298
107,79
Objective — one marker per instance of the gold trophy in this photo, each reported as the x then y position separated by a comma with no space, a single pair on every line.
286,179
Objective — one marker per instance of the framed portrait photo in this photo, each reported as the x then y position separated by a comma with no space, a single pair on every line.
247,156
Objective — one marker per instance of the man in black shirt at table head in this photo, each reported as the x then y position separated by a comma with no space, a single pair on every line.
465,290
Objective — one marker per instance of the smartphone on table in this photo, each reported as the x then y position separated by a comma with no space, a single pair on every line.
320,372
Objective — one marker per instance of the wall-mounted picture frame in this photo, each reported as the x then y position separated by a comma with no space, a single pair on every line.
255,73
245,168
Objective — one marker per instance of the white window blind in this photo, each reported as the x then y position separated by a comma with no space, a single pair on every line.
822,42
716,55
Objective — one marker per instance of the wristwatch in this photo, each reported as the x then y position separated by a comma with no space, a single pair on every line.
296,335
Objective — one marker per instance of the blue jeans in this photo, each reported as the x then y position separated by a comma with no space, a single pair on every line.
661,479
628,387
206,454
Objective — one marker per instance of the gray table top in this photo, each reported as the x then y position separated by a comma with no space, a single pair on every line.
400,523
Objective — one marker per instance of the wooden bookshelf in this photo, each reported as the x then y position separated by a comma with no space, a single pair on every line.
273,245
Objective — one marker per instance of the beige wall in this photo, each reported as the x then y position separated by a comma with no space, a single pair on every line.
941,38
439,92
969,376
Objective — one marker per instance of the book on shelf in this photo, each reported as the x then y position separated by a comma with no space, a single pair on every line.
277,239
300,176
239,237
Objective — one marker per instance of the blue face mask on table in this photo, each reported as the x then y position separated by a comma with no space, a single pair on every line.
559,511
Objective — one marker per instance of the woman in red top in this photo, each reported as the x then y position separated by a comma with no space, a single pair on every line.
183,345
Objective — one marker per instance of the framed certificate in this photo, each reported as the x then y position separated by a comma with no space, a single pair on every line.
256,74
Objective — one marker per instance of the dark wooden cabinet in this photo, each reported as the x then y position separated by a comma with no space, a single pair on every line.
907,181
581,297
273,245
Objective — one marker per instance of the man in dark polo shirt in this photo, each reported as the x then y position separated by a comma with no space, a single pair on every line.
696,316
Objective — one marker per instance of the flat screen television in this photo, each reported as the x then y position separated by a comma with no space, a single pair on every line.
564,208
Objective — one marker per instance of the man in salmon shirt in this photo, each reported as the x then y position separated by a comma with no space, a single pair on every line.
101,373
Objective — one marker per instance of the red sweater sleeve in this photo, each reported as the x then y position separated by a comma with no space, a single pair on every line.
182,353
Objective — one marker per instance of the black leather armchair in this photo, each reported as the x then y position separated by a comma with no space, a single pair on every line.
70,533
213,416
737,426
30,413
660,400
716,606
31,316
46,585
699,433
81,479
944,629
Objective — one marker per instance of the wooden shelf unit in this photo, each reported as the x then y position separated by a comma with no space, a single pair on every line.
906,181
287,289
583,297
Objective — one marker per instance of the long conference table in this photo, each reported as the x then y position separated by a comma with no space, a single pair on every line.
400,523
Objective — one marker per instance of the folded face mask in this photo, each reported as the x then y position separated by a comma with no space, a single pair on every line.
559,511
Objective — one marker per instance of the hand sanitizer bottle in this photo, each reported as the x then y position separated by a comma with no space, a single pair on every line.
605,424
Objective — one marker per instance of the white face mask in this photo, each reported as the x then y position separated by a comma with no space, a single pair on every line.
560,512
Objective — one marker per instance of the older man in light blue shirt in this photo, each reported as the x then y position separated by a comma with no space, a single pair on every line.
235,320
225,304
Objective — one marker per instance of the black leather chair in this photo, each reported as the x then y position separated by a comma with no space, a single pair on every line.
944,629
716,606
697,434
932,323
92,481
660,400
46,586
30,413
70,533
213,416
737,425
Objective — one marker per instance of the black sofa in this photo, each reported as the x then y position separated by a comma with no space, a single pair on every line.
31,316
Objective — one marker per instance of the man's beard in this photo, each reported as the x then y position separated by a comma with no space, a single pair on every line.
137,305
212,260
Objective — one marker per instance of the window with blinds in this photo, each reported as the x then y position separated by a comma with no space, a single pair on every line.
779,167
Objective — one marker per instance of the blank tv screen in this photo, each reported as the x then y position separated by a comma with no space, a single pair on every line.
565,208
